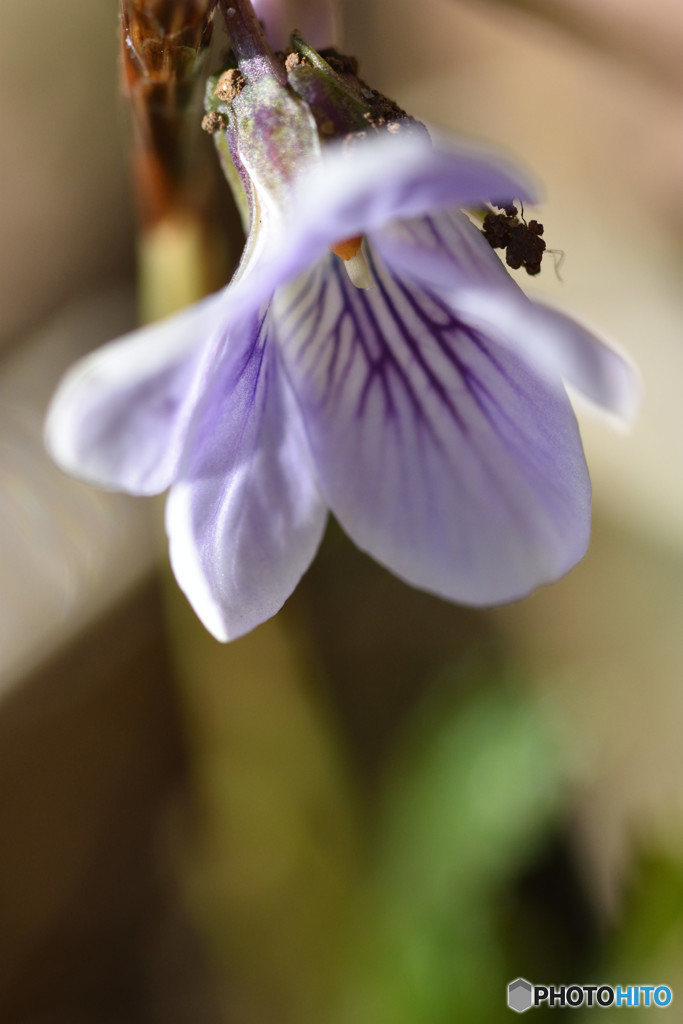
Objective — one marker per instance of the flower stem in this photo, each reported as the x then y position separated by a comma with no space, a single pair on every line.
163,47
250,46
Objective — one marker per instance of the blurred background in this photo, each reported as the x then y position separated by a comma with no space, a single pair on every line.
378,806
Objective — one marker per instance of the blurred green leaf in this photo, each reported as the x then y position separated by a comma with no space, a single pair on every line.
647,942
474,788
653,911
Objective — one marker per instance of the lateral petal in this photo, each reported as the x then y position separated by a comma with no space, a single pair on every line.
245,516
119,416
450,255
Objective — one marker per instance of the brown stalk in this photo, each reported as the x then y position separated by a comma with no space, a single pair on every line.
163,45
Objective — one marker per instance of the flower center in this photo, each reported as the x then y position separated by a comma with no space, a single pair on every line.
350,250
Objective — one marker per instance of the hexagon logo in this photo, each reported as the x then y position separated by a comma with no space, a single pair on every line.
520,995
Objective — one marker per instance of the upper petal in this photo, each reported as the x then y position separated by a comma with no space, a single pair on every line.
442,453
245,516
353,191
119,416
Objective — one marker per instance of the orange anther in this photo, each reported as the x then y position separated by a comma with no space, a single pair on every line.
348,248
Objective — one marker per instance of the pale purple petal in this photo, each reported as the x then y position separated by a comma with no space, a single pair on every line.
118,418
358,188
245,515
316,20
450,255
604,375
372,184
441,453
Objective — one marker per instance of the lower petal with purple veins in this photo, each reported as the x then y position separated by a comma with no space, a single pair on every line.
245,516
441,453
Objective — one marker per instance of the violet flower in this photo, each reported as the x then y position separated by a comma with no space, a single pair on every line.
403,380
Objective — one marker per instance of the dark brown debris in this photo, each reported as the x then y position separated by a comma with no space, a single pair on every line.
522,242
